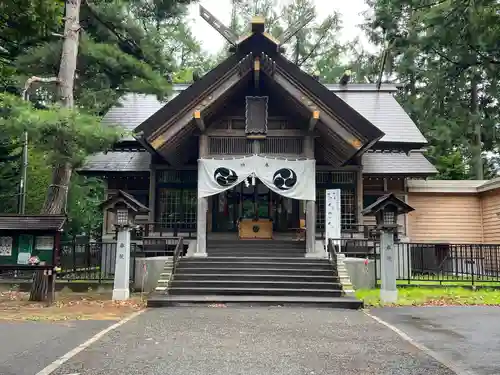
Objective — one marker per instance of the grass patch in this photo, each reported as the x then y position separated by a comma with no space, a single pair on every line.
423,296
448,282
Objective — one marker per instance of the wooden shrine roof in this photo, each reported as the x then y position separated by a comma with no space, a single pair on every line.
32,222
350,133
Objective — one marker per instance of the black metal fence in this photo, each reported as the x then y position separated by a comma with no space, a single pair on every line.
91,261
429,263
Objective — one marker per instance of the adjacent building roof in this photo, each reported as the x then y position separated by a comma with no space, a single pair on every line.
373,163
382,110
395,163
27,223
448,186
115,161
454,186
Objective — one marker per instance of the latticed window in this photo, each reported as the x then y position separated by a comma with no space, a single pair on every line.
346,182
177,207
190,206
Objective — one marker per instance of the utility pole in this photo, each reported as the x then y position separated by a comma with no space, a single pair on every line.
24,176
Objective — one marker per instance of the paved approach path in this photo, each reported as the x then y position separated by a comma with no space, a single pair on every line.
466,336
27,347
251,341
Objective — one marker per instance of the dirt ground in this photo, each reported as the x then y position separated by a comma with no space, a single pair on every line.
14,305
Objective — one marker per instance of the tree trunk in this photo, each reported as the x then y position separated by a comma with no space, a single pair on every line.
57,193
39,287
55,201
477,146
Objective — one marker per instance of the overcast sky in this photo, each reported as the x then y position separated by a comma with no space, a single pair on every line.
212,41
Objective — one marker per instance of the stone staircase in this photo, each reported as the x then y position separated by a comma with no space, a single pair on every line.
255,273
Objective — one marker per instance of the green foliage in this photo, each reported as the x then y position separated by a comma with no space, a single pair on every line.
85,196
446,56
125,46
10,162
62,135
38,178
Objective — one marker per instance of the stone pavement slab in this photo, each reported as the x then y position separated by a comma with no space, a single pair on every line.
252,341
27,347
469,336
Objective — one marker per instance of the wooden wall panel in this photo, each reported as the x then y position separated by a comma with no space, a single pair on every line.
490,205
451,218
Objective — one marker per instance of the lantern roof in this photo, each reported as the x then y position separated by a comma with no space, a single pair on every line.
124,198
385,201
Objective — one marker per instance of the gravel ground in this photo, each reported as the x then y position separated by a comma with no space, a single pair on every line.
251,341
27,347
467,336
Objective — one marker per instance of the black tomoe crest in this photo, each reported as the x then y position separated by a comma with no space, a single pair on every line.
225,176
284,178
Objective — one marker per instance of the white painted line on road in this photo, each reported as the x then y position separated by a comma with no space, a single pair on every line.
61,360
438,357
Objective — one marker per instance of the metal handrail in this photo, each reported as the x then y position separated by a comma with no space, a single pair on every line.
332,251
179,249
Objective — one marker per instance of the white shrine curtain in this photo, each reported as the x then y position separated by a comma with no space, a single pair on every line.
290,178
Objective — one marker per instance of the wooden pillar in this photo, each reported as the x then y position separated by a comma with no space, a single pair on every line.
359,195
201,218
152,193
310,205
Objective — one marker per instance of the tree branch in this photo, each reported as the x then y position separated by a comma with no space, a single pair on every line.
34,79
429,5
489,59
318,42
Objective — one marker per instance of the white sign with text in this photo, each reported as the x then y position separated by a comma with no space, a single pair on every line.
333,215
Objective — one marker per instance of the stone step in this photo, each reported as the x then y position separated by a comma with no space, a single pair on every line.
163,300
257,277
253,259
257,263
260,284
255,292
243,269
255,243
256,252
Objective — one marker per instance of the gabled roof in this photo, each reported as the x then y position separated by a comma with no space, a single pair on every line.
350,133
179,103
124,198
377,106
387,200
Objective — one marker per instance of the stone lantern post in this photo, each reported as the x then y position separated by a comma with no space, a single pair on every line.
386,210
125,207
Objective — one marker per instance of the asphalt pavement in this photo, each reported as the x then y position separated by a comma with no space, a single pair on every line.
252,341
468,336
27,347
